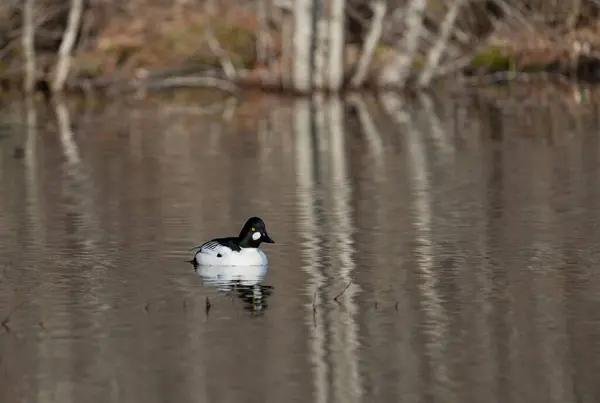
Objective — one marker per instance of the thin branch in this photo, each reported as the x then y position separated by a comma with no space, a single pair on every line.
210,82
435,54
9,47
373,37
457,64
356,15
212,109
4,324
66,46
210,6
49,14
515,14
224,59
341,293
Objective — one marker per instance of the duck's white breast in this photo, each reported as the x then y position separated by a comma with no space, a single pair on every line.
223,256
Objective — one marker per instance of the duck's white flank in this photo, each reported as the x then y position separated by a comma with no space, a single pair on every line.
214,254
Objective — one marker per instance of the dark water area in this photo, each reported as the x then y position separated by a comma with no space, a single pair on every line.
443,251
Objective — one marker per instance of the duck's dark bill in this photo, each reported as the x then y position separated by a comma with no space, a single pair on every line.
266,238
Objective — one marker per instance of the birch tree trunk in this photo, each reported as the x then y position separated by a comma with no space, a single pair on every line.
66,46
398,72
320,47
287,57
302,45
262,46
435,54
28,43
373,37
336,45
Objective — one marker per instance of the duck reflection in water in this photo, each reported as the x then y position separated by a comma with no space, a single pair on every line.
244,282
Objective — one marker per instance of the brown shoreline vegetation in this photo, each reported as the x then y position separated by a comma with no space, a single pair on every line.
233,44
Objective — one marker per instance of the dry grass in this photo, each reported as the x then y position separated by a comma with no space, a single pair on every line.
541,50
126,45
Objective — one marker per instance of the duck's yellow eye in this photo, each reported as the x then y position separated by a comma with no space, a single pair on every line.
253,229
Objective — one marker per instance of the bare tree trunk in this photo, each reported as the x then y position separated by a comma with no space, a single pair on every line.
336,44
262,46
286,65
28,43
435,54
66,46
379,9
397,73
414,23
303,34
321,45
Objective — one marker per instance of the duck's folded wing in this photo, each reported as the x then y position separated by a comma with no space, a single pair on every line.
221,247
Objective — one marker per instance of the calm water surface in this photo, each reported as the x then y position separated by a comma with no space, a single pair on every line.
446,252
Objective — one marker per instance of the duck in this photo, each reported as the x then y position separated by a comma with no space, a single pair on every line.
242,250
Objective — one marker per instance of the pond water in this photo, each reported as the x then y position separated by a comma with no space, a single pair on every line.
443,251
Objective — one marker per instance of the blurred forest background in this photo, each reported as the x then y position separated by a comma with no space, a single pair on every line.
349,43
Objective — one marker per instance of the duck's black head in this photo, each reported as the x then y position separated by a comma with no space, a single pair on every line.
253,234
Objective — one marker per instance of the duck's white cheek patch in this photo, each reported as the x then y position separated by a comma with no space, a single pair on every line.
256,236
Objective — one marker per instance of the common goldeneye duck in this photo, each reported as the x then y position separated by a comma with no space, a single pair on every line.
242,250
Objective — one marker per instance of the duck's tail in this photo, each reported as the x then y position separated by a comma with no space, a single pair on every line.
193,260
